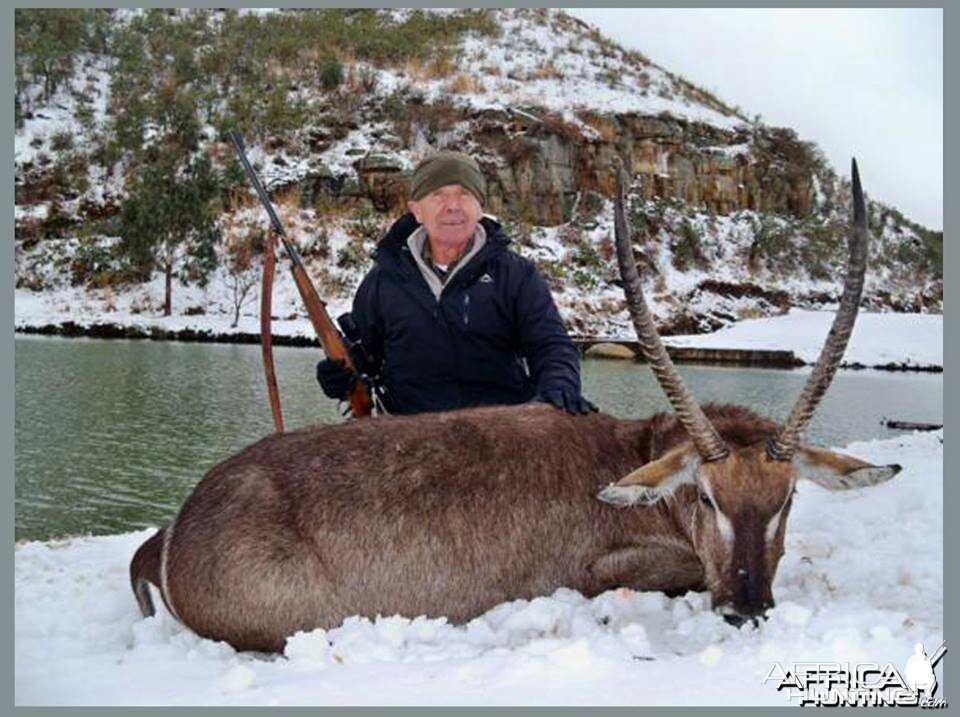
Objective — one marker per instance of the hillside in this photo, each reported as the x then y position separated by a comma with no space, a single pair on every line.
735,219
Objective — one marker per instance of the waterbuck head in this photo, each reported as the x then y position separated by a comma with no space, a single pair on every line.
734,499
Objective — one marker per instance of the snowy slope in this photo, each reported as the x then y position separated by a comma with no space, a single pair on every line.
861,581
550,60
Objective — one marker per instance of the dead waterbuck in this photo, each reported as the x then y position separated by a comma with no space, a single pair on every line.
451,513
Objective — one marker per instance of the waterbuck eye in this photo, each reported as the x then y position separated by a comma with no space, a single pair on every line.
705,499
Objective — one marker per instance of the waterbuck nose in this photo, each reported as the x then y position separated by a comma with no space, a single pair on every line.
751,599
736,619
753,595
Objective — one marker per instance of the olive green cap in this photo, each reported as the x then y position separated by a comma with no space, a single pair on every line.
443,168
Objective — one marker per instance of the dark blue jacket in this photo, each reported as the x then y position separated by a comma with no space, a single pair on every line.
468,347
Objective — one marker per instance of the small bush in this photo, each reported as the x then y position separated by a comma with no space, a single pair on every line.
686,248
367,222
33,282
110,278
823,243
587,256
366,80
589,207
90,259
353,255
330,73
61,141
57,223
318,246
555,272
584,279
770,240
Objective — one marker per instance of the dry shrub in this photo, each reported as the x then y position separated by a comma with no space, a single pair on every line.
287,197
241,236
441,66
554,124
605,183
606,249
750,312
437,67
546,71
604,127
437,117
240,198
414,69
463,83
515,150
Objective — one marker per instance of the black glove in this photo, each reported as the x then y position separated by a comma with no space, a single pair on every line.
335,378
566,400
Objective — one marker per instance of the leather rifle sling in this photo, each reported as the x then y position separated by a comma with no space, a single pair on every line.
266,339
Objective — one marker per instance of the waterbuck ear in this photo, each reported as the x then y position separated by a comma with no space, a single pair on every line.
835,471
655,480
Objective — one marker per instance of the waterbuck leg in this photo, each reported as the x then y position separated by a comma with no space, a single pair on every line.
145,569
658,564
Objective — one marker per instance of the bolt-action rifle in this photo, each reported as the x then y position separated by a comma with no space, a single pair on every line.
330,338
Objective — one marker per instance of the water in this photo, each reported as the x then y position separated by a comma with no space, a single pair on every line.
112,435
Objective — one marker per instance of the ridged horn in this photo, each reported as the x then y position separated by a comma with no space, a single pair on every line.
781,447
704,436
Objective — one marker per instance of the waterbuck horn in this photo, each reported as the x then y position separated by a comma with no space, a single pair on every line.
708,442
782,447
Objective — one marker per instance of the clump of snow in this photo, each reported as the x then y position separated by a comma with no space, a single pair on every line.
861,581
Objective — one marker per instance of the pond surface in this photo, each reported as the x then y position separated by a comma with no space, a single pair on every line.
112,435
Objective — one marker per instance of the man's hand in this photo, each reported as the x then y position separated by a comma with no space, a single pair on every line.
566,400
335,378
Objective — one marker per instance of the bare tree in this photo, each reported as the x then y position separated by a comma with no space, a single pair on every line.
242,242
241,281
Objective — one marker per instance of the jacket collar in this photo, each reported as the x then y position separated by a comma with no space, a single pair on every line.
393,254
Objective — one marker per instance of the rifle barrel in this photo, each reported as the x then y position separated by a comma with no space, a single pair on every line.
255,180
288,246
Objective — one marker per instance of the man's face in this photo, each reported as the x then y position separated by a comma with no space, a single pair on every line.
449,215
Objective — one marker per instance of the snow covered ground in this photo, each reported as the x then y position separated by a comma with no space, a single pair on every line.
878,339
862,580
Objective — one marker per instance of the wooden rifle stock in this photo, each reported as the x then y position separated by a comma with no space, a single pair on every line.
327,333
329,336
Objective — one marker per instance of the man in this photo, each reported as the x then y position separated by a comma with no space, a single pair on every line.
449,316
